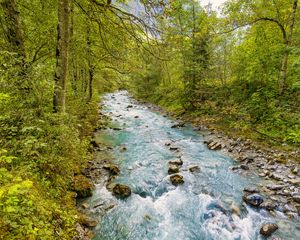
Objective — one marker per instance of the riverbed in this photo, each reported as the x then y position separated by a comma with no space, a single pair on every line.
207,206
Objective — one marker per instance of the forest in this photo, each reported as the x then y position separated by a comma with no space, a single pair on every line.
235,70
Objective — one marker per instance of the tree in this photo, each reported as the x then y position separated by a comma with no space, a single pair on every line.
62,56
281,13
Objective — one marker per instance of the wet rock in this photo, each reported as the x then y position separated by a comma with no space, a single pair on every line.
177,162
277,176
248,159
194,169
178,125
168,144
214,146
116,129
88,221
253,199
268,229
174,148
176,179
289,208
251,190
235,209
294,181
275,187
129,106
268,205
123,149
85,205
136,116
296,198
173,169
109,186
244,167
121,191
113,169
295,170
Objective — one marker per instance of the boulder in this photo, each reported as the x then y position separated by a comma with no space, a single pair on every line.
253,199
268,205
244,167
176,179
251,190
121,191
194,169
113,169
214,146
275,187
296,198
268,229
85,205
173,169
174,148
177,162
87,221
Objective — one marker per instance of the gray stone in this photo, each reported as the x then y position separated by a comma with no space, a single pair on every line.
253,199
251,190
268,205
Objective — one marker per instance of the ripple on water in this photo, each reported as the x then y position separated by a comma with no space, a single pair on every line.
197,210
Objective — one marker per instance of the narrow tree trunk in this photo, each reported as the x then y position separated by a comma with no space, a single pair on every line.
62,55
285,56
283,72
90,63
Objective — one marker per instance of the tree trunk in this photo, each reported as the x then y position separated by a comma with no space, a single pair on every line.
283,72
13,29
62,55
285,56
90,62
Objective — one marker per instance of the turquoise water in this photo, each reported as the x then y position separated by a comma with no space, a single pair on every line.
200,209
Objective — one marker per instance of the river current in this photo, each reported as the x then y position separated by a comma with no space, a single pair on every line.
199,209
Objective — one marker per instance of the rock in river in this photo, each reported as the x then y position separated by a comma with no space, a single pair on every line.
113,169
177,162
173,169
268,229
194,169
253,199
121,191
176,179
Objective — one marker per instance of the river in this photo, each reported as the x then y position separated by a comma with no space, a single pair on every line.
199,209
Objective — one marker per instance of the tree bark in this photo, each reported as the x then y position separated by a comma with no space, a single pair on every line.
62,55
285,56
13,29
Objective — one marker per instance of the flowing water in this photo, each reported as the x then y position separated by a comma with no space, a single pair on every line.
198,209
